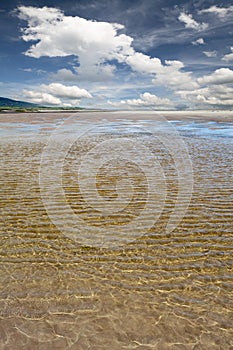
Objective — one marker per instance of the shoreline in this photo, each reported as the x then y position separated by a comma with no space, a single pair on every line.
53,116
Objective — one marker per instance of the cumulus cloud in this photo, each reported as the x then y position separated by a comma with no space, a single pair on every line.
56,94
146,100
228,57
199,41
215,90
92,42
70,92
41,97
97,72
190,22
219,76
210,53
64,74
143,63
96,45
100,49
219,11
209,97
171,76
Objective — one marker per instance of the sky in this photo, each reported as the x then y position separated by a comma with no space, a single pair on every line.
127,54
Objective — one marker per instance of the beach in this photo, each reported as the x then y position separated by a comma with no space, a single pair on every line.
47,117
119,277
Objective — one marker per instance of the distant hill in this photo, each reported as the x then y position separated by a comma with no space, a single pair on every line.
7,102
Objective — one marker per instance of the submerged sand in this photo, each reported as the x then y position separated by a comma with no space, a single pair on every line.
162,291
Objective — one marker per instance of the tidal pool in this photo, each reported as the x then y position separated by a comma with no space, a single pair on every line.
75,272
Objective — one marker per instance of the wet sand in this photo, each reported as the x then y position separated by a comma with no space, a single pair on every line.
160,291
49,117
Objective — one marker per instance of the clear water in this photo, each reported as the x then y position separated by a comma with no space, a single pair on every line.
161,290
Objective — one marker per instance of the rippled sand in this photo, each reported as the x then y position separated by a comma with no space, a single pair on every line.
159,291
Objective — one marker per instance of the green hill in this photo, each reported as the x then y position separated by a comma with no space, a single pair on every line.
7,102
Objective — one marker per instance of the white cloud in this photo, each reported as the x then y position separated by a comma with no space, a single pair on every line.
45,14
70,92
228,57
210,53
95,44
27,69
199,41
71,103
190,23
146,100
171,76
216,90
219,76
143,63
41,98
97,72
92,42
64,74
56,94
212,96
219,11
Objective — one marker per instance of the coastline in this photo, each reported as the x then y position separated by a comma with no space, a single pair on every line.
53,116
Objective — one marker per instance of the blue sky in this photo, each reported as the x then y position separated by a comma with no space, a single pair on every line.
118,54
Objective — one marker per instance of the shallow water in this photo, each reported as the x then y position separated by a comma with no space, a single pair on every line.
156,290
